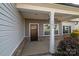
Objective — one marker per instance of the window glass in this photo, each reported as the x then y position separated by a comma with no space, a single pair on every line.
46,29
66,29
56,29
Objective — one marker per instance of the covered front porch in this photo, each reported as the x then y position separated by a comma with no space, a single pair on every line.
47,40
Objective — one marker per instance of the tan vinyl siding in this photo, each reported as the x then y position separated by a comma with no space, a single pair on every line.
11,28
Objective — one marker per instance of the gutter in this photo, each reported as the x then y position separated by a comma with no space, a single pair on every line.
69,4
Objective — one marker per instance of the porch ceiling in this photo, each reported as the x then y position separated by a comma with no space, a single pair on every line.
42,15
34,14
65,17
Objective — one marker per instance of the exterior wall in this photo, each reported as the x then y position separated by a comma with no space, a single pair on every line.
67,23
11,29
77,25
40,22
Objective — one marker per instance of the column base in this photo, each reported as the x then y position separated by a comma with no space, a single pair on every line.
53,54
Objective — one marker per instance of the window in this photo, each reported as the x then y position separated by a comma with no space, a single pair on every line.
46,29
66,29
56,31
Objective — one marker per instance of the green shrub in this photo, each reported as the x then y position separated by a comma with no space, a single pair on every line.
74,35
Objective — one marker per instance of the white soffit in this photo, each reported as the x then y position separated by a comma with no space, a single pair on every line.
76,19
33,14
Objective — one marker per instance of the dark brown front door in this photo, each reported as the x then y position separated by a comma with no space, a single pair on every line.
34,32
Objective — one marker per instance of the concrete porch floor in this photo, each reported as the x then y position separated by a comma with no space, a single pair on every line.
37,48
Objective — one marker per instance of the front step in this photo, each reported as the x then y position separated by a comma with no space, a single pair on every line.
42,54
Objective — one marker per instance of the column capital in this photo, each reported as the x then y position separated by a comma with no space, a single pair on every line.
52,17
52,11
52,14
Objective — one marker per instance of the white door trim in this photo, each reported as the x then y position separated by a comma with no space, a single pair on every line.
30,31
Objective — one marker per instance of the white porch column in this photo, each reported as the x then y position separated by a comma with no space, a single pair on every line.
52,40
